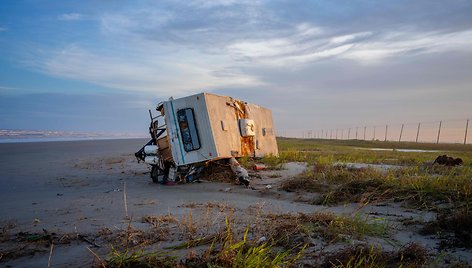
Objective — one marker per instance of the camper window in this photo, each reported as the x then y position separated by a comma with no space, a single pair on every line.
188,129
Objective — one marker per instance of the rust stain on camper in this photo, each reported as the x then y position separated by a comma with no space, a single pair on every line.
247,143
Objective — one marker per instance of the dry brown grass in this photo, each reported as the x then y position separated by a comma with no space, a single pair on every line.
291,229
410,255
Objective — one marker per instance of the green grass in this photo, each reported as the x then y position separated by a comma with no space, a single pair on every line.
330,151
246,254
138,258
287,229
419,186
417,181
314,144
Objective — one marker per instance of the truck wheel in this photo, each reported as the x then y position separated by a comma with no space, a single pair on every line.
158,175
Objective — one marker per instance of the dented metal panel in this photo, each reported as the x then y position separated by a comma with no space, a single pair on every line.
230,142
217,121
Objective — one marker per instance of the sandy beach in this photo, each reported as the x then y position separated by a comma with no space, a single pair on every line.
75,192
77,187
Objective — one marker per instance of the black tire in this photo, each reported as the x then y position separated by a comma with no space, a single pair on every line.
158,174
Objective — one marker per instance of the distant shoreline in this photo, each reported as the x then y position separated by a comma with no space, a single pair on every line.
63,139
26,136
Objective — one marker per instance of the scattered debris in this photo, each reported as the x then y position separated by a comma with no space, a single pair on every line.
241,173
448,161
261,240
259,167
84,238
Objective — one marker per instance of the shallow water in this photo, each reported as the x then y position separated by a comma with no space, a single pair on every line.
401,150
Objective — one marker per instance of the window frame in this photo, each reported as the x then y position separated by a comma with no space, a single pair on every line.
192,137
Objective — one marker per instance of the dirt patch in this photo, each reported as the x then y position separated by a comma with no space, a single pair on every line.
453,228
218,171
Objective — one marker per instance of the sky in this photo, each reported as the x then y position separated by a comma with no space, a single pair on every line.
100,65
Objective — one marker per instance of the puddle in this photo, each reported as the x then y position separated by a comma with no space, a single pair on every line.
401,150
382,167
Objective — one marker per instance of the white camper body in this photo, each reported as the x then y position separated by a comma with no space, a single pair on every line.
206,126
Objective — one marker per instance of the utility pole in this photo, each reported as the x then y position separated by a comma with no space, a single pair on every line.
401,132
356,133
374,134
466,127
349,133
364,132
418,132
386,130
439,132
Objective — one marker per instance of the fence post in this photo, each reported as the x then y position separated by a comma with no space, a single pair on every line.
374,134
364,132
439,132
401,132
386,130
330,134
349,133
418,132
356,133
466,127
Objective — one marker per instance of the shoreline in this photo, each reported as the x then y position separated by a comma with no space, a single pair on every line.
65,139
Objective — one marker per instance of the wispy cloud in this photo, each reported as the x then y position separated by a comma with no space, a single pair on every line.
7,88
71,17
224,3
363,47
156,73
343,59
408,44
168,51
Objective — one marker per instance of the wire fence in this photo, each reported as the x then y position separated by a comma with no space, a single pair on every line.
444,131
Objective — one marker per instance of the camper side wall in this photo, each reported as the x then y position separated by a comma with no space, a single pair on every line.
266,143
225,126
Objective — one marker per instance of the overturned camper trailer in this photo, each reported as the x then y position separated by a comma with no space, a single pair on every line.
192,130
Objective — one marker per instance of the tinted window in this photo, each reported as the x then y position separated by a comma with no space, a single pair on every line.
188,129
